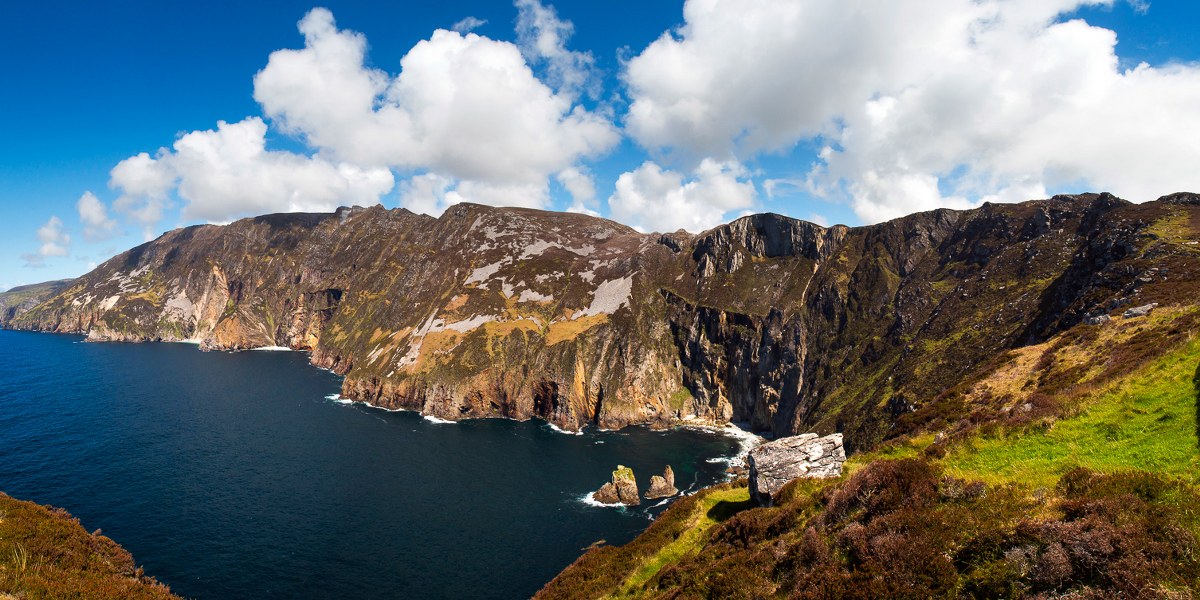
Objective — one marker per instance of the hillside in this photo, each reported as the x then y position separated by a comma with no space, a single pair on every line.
1017,384
783,324
24,297
45,553
1086,492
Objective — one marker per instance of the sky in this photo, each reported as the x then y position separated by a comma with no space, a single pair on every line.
120,121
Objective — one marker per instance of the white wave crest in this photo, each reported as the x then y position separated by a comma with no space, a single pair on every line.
563,431
590,500
339,399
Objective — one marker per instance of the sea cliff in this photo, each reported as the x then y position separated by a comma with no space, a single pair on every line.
786,325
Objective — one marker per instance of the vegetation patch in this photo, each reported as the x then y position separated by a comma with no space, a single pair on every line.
45,553
1147,422
563,331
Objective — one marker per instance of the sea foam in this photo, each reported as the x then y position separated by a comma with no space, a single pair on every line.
563,431
590,500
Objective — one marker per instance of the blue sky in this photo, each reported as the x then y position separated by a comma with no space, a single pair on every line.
89,85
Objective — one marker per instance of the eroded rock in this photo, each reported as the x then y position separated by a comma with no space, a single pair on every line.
621,490
662,487
774,464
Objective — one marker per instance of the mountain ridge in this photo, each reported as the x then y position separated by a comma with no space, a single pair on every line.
581,321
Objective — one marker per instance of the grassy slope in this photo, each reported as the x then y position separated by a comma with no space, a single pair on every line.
1133,437
44,553
1146,422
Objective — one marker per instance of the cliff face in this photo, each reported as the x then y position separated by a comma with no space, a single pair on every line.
518,313
22,298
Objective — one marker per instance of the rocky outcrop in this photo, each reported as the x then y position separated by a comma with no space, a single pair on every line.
774,464
502,312
662,487
621,490
1139,311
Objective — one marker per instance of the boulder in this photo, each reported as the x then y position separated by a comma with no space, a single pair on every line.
1097,319
662,487
621,490
1140,311
774,464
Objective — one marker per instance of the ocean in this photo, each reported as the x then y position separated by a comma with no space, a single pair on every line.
240,475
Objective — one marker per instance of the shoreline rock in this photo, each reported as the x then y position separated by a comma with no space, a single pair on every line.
621,490
662,486
775,464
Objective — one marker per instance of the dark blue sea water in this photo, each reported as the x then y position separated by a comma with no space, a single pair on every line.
233,476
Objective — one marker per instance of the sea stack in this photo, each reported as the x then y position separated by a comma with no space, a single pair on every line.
621,490
662,487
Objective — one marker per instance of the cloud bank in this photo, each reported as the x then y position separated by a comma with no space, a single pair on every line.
919,103
890,108
464,108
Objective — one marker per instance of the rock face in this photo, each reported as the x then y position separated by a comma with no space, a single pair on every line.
662,487
1139,311
774,464
516,313
621,490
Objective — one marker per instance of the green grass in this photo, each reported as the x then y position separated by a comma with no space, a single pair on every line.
1147,422
711,509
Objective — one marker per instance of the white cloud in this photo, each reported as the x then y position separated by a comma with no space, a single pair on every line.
543,37
650,198
426,194
923,103
54,239
228,172
468,24
145,188
579,184
54,243
97,226
432,193
464,107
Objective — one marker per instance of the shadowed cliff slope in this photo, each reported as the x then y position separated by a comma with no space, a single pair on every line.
582,321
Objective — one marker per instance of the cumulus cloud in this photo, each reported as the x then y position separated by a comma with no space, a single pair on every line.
582,187
431,193
463,108
227,172
97,226
653,199
922,103
542,37
468,24
145,188
54,243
